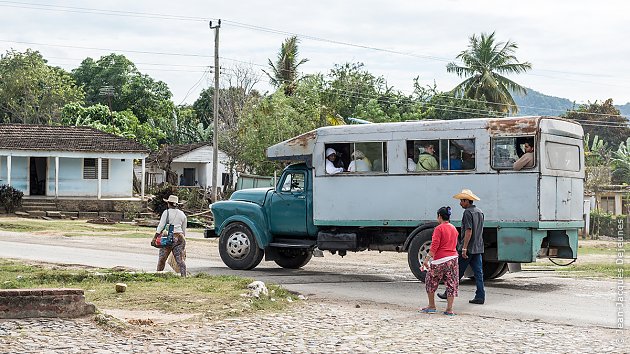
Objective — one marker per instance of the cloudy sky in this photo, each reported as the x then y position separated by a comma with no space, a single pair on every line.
579,49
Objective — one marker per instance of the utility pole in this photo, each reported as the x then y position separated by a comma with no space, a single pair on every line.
215,132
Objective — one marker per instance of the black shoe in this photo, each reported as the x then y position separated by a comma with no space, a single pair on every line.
477,301
442,295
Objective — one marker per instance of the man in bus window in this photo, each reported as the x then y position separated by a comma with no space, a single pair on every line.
527,160
471,243
427,160
331,156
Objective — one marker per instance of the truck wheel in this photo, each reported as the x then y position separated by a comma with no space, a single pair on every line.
418,249
493,270
238,248
293,258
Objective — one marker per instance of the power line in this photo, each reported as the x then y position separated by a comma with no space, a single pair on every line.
59,8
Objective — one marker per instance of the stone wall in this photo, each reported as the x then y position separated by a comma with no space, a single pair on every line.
94,205
25,303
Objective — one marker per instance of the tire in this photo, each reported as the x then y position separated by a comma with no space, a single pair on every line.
418,249
238,247
493,270
293,258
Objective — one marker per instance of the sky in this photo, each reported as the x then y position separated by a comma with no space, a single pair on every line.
578,49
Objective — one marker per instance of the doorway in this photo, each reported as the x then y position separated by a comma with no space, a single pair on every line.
188,177
37,175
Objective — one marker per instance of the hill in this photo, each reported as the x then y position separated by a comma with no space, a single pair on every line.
536,103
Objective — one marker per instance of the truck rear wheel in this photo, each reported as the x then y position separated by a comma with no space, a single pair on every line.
493,270
418,250
293,258
238,248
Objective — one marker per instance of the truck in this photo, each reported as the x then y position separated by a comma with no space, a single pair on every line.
391,205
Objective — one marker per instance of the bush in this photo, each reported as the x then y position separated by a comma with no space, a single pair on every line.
605,224
10,198
157,204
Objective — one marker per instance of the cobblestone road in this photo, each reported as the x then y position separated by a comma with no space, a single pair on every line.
313,328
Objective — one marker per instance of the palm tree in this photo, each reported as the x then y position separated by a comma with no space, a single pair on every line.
284,71
484,64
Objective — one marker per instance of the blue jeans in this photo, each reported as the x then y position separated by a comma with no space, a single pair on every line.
475,263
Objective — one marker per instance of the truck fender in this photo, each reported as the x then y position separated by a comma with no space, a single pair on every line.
262,236
416,231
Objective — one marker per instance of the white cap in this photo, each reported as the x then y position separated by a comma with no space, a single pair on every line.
330,151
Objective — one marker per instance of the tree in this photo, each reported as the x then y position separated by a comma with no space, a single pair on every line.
31,91
603,120
621,163
284,71
485,63
115,81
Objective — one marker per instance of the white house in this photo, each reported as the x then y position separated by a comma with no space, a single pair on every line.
192,163
67,161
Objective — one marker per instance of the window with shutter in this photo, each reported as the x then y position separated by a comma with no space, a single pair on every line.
91,172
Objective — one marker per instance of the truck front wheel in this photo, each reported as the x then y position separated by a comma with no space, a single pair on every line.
238,248
418,250
293,258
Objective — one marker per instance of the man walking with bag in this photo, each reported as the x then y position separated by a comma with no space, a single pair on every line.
471,243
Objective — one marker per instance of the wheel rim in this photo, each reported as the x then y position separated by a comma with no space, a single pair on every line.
238,245
424,251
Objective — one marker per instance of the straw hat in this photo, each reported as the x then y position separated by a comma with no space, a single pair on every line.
172,199
466,194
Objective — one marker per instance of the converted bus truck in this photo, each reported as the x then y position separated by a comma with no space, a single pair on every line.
391,206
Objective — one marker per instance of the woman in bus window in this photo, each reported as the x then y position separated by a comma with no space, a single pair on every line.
359,163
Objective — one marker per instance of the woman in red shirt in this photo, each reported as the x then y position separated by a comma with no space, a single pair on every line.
441,263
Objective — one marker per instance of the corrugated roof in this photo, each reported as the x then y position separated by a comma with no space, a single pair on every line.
63,138
178,150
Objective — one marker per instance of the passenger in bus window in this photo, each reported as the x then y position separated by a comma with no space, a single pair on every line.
359,163
527,159
455,162
411,164
331,156
427,160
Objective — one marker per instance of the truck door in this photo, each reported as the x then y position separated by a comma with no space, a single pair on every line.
288,205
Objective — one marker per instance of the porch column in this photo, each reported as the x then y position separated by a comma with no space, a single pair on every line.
9,169
56,176
99,164
143,175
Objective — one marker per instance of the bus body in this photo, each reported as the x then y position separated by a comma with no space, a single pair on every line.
530,213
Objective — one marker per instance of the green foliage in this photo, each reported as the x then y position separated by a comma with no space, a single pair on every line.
597,118
10,198
270,121
123,123
31,91
194,198
485,63
114,80
605,224
621,163
284,71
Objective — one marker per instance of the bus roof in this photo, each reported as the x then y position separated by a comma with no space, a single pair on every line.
301,147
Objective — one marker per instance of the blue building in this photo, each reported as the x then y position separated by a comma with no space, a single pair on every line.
66,161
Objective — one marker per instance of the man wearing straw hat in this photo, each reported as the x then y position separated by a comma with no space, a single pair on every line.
177,218
471,243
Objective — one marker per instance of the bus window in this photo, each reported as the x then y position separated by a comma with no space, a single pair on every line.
506,150
441,155
362,157
562,157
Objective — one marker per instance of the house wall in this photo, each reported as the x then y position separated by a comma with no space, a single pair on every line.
71,182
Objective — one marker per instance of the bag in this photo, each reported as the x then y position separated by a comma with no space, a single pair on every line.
161,239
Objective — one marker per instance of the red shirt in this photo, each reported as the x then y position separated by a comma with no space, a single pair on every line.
444,241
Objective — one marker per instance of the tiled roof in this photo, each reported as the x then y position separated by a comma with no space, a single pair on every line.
177,150
63,138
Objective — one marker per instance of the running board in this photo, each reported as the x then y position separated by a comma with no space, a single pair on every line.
293,244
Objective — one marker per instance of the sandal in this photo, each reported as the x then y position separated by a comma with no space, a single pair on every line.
449,313
428,310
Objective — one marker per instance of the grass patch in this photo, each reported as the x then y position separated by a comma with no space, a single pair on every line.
608,248
20,227
211,296
73,228
590,270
